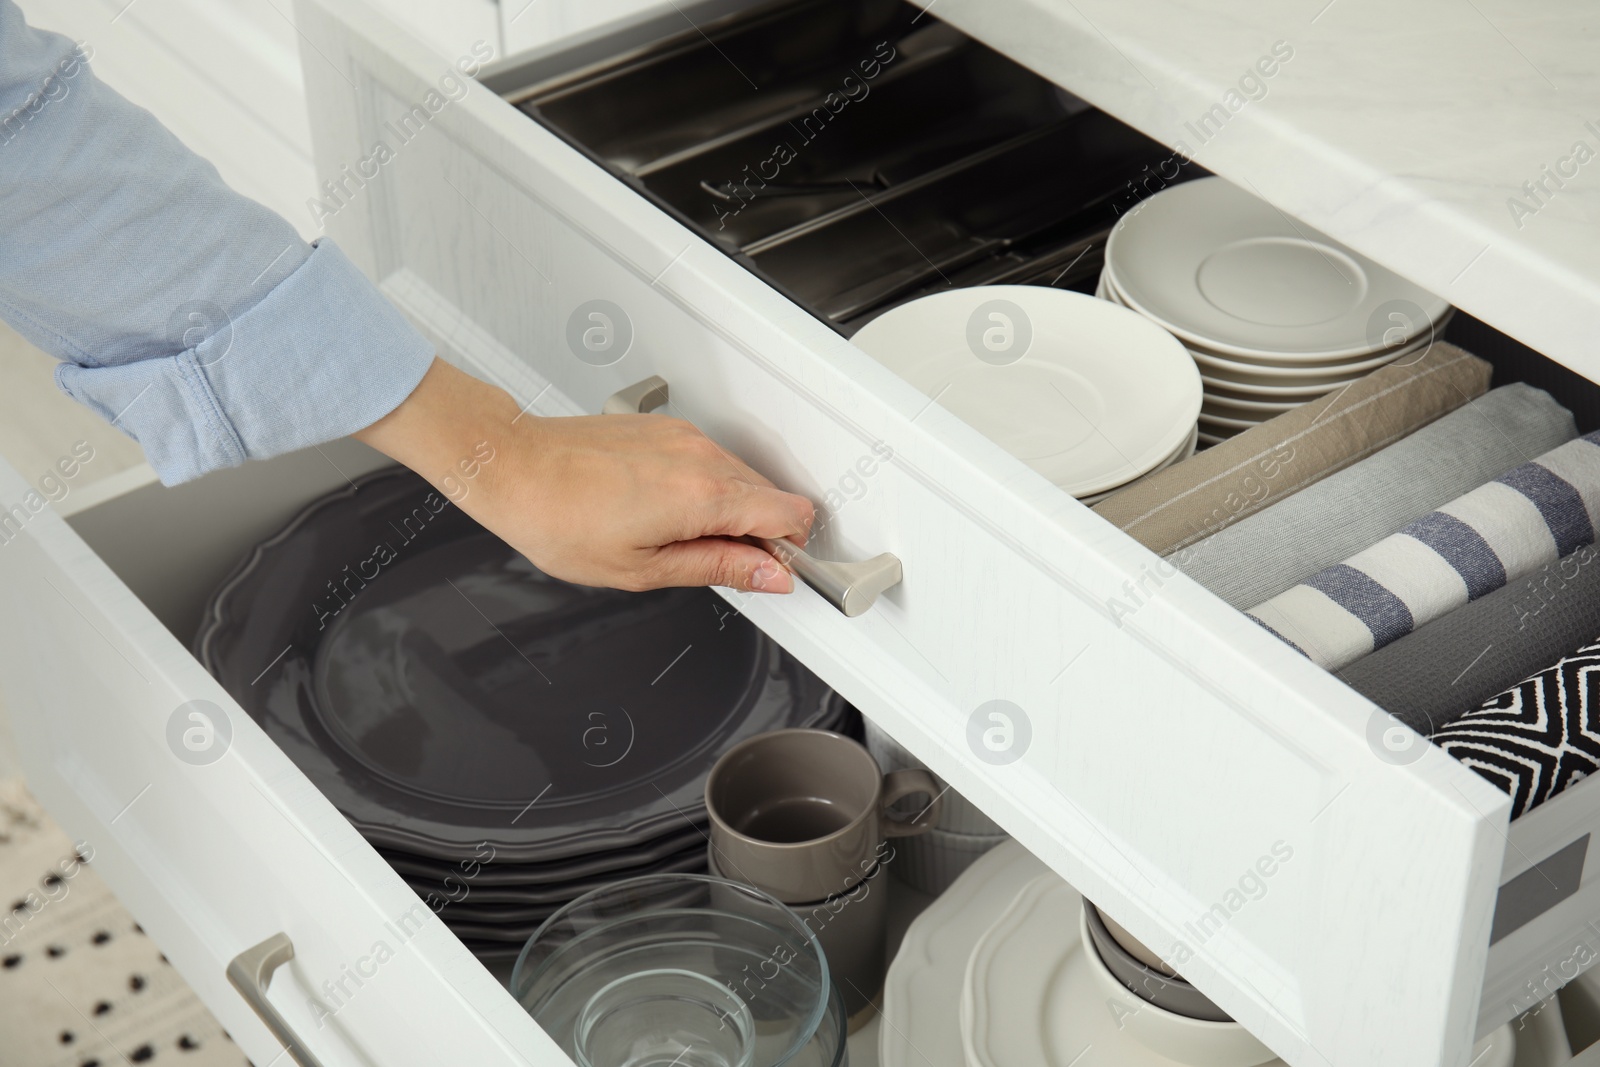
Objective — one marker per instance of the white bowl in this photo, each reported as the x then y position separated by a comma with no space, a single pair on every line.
1195,1042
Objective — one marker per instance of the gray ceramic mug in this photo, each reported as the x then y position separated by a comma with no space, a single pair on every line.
850,928
804,814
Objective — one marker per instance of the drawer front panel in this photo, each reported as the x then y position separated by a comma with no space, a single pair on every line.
1163,755
215,841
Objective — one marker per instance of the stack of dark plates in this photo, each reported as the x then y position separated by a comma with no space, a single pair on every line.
507,740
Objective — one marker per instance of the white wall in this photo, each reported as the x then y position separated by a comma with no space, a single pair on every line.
224,75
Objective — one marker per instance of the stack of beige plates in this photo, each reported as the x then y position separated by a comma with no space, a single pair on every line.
1090,395
1273,312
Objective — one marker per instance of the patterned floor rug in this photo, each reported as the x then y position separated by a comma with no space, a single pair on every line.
80,984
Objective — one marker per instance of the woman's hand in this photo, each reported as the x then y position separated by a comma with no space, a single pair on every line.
629,501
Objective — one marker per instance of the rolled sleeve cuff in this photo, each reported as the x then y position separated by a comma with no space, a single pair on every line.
321,356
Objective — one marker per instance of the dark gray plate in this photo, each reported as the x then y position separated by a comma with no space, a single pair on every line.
446,695
486,870
469,902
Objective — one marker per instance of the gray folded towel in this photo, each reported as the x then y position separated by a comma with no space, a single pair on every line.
1453,664
1499,533
1261,556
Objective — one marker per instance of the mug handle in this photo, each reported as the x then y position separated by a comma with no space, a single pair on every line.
897,785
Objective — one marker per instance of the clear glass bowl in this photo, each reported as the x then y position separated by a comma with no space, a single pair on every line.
683,969
829,1046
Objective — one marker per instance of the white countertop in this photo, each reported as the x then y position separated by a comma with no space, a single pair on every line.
1401,127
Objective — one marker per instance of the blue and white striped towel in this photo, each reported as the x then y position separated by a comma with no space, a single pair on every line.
1475,544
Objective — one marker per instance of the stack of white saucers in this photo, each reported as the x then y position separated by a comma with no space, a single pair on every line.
1008,946
1273,312
1090,395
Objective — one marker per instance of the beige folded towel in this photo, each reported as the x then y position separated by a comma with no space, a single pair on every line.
1215,488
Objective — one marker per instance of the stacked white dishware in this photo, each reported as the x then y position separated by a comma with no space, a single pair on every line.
1091,396
1009,945
1274,313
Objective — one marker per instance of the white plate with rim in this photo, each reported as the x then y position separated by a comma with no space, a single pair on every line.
1229,368
1228,405
1261,362
1096,396
925,978
1289,367
1030,997
1269,392
1369,361
1223,268
1033,996
1268,363
1211,420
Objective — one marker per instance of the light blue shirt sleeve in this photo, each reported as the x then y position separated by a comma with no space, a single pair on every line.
191,317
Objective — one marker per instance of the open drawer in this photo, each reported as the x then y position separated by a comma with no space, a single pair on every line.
1155,757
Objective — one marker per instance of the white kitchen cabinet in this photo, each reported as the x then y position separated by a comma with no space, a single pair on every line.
1164,751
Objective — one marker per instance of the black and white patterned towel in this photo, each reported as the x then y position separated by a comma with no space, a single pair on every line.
1538,737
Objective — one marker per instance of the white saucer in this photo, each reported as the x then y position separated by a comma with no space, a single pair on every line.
1267,392
1213,419
1100,396
1264,408
1263,368
1225,270
1222,367
920,1027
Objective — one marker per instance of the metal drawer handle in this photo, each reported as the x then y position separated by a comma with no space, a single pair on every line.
851,587
250,973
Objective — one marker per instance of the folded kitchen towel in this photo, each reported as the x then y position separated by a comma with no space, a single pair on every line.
1259,557
1188,501
1498,533
1539,736
1430,677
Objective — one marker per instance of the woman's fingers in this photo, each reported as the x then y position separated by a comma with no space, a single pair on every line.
745,510
717,561
631,501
